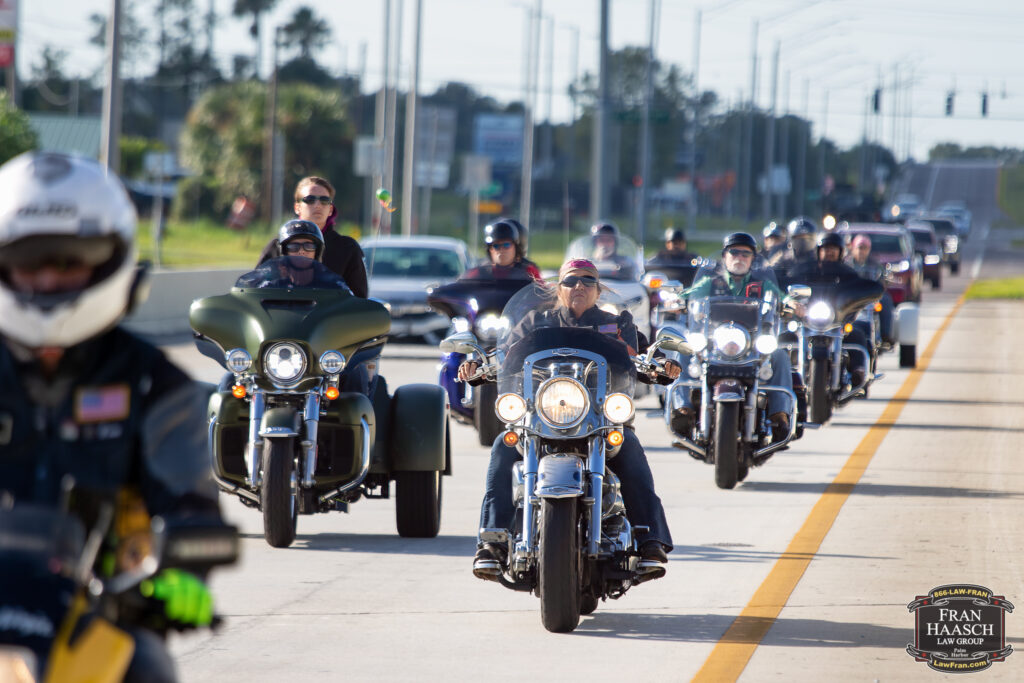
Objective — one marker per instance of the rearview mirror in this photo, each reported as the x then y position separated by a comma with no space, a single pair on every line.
799,291
461,342
672,339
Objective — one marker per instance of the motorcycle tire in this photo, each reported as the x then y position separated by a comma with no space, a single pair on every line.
819,407
558,565
418,503
588,603
277,499
908,355
488,425
726,431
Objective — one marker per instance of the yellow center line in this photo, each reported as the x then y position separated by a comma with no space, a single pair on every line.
735,648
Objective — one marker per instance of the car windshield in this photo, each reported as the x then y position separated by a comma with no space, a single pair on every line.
291,272
941,227
411,261
923,236
885,244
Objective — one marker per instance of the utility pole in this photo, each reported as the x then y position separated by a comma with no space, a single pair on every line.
271,191
110,145
598,172
529,100
747,161
380,108
409,173
769,141
694,127
391,116
645,128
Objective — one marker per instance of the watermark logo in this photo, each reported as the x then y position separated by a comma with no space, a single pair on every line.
959,628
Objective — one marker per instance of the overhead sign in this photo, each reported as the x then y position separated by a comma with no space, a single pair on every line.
8,31
499,137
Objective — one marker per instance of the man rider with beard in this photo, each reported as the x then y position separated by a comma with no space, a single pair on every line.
776,240
84,400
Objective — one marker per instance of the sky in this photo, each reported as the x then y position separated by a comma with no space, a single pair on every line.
832,54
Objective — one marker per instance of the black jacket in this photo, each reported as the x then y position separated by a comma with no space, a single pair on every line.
342,254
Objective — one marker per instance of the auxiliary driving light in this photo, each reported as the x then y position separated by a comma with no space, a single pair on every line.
332,393
614,438
238,391
510,438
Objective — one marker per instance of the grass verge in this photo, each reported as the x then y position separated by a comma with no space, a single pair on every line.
1009,288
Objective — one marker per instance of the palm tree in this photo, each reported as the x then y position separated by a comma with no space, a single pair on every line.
307,31
256,8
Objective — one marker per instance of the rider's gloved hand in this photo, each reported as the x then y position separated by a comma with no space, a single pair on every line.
186,598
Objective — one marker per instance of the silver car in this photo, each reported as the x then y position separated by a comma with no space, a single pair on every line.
402,270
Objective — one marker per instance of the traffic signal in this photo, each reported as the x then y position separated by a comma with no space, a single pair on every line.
949,104
876,100
984,104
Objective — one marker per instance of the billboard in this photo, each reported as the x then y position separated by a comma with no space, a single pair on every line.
8,29
499,137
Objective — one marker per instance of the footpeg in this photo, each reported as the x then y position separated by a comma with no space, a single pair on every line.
648,570
488,570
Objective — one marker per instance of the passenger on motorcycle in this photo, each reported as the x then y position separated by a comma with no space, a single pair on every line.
827,267
802,233
605,237
739,277
675,251
84,399
505,251
577,294
867,266
776,240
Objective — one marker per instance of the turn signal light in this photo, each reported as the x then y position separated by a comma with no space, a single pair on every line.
510,438
878,307
614,438
238,391
656,282
848,327
332,393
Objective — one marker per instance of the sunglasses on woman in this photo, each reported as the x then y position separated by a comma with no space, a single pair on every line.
296,247
314,198
585,280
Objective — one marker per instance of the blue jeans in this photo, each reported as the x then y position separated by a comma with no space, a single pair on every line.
643,507
782,376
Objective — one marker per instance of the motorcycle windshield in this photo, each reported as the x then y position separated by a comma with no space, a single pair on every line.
291,272
845,297
616,258
759,270
479,290
541,323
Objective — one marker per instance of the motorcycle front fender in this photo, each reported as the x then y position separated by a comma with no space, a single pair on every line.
728,391
280,422
560,476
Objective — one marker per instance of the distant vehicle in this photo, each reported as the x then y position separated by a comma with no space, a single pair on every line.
893,246
957,212
402,270
904,207
947,234
846,203
927,245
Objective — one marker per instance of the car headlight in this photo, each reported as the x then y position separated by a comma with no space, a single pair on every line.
332,362
932,259
490,326
730,340
238,360
618,408
562,402
697,341
766,343
901,267
510,407
284,362
820,312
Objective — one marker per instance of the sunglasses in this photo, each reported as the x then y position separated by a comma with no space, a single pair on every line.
296,247
314,198
745,253
573,280
502,245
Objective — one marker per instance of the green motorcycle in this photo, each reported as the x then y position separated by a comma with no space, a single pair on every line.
302,423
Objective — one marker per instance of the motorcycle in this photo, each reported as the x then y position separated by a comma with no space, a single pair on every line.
60,618
823,355
286,433
565,396
729,340
474,303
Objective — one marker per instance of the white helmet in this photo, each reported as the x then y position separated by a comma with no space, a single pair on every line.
53,207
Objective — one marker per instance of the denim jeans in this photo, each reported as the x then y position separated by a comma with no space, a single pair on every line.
782,376
643,507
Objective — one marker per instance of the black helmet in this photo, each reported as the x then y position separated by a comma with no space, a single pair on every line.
831,239
739,239
773,229
299,228
801,225
675,235
524,235
500,230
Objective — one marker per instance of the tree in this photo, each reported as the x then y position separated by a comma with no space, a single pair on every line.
16,135
256,8
307,32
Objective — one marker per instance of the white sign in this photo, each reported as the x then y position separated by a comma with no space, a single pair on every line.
433,175
369,156
476,172
8,31
499,137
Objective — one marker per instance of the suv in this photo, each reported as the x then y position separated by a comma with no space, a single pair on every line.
946,232
927,245
893,246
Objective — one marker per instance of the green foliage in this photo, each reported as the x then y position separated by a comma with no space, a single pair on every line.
16,136
1009,288
1011,193
133,153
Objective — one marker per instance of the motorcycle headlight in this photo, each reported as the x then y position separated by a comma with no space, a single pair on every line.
828,222
238,360
730,340
697,341
562,402
284,362
510,407
459,324
332,362
618,408
490,326
820,312
766,343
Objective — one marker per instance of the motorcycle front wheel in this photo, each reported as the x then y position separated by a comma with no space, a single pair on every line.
487,424
819,407
277,497
726,432
558,562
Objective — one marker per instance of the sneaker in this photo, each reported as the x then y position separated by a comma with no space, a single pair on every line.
488,562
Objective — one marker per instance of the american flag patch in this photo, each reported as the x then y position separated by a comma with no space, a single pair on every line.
610,328
102,404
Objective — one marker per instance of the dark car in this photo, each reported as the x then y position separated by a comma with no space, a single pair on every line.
927,244
946,232
893,246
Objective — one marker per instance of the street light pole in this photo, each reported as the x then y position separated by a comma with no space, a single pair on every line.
769,140
598,172
110,146
409,172
694,126
645,129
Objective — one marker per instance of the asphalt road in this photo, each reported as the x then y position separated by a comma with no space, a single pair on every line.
803,572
